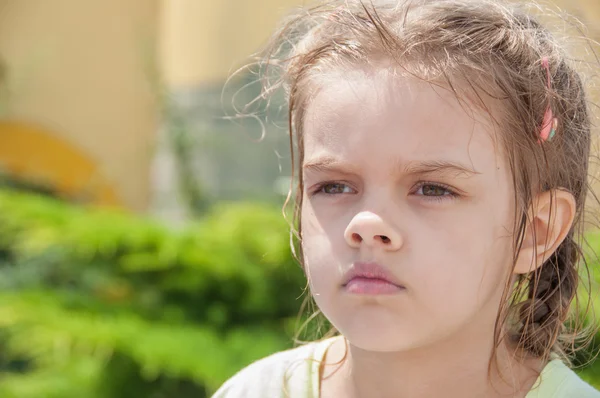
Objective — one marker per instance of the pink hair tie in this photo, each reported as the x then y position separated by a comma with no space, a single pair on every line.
549,123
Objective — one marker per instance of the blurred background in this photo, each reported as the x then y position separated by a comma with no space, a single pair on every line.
143,252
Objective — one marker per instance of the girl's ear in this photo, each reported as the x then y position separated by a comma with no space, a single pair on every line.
550,218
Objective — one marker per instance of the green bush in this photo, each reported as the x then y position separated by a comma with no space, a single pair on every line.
102,304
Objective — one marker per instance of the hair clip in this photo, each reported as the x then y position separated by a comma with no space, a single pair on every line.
549,123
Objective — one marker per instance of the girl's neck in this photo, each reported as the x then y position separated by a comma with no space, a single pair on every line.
451,369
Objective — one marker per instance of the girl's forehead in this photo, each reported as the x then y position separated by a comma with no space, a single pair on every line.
382,88
359,102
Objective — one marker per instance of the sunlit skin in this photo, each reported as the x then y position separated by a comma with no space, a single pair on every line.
399,174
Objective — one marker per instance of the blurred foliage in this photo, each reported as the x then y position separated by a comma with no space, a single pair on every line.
101,304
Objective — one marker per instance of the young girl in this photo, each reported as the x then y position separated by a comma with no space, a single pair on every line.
442,151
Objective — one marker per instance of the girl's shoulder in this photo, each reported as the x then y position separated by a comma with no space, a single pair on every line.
292,373
557,380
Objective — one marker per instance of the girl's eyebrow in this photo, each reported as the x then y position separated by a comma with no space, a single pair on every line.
439,166
326,164
329,163
322,163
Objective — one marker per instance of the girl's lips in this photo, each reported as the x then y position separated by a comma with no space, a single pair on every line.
371,286
370,279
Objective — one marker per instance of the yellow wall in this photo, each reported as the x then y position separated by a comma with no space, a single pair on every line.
204,40
77,69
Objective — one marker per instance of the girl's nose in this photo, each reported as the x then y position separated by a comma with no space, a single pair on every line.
369,229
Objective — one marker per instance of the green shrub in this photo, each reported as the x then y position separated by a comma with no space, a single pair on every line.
138,309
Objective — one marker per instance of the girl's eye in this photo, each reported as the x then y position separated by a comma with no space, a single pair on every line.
334,188
435,191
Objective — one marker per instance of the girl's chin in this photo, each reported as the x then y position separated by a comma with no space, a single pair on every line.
382,337
373,344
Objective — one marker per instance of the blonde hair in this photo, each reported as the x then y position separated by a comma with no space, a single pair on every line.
475,48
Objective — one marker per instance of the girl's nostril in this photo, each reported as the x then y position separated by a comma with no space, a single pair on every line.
384,239
356,237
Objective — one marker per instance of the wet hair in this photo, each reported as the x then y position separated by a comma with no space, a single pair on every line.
477,49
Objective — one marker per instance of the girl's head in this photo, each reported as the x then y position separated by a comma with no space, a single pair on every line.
417,129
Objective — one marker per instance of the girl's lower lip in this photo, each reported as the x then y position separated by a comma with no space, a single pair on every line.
371,286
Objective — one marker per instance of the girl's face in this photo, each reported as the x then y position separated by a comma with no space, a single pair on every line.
405,188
